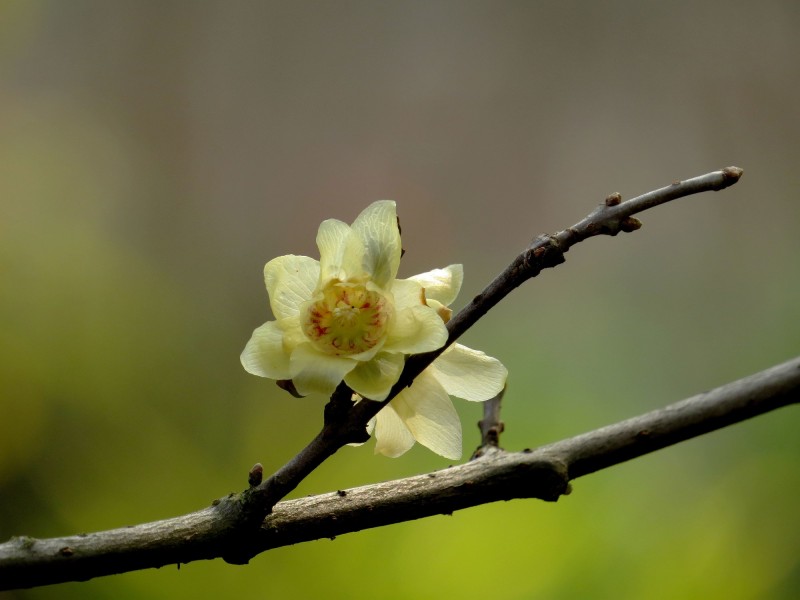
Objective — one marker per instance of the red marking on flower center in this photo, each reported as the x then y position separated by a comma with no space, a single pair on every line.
348,319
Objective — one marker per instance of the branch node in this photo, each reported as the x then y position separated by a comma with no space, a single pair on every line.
338,408
544,252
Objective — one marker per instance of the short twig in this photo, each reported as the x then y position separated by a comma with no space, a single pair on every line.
490,425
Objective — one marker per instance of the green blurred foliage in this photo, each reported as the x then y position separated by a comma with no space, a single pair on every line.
153,156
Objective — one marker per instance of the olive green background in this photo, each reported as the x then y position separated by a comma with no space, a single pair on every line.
154,155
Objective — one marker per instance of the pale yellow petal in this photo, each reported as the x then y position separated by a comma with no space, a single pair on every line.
441,285
407,293
292,334
469,374
374,379
340,251
377,228
290,281
428,412
315,372
264,354
392,437
414,330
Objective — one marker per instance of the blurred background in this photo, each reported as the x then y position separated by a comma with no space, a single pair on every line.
154,155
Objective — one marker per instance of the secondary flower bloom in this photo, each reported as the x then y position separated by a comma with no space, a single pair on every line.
347,317
424,412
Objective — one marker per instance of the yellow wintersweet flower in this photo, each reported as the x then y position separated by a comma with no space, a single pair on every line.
424,411
346,316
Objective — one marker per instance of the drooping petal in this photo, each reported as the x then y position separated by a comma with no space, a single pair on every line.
340,251
428,412
392,437
469,374
317,372
416,329
374,379
442,285
290,281
264,354
377,228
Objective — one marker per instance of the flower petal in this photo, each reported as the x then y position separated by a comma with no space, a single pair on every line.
416,329
316,372
469,374
340,251
290,280
374,379
428,412
377,228
264,354
392,437
442,285
293,336
407,293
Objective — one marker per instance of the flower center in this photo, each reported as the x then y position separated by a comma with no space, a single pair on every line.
348,319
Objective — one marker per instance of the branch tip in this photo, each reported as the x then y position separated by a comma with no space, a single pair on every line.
731,176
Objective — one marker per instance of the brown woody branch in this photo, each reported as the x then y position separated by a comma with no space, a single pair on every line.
233,529
543,473
346,423
490,425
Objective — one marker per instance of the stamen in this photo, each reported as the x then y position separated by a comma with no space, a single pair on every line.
348,319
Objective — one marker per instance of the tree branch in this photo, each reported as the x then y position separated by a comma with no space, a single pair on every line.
233,528
543,473
347,424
